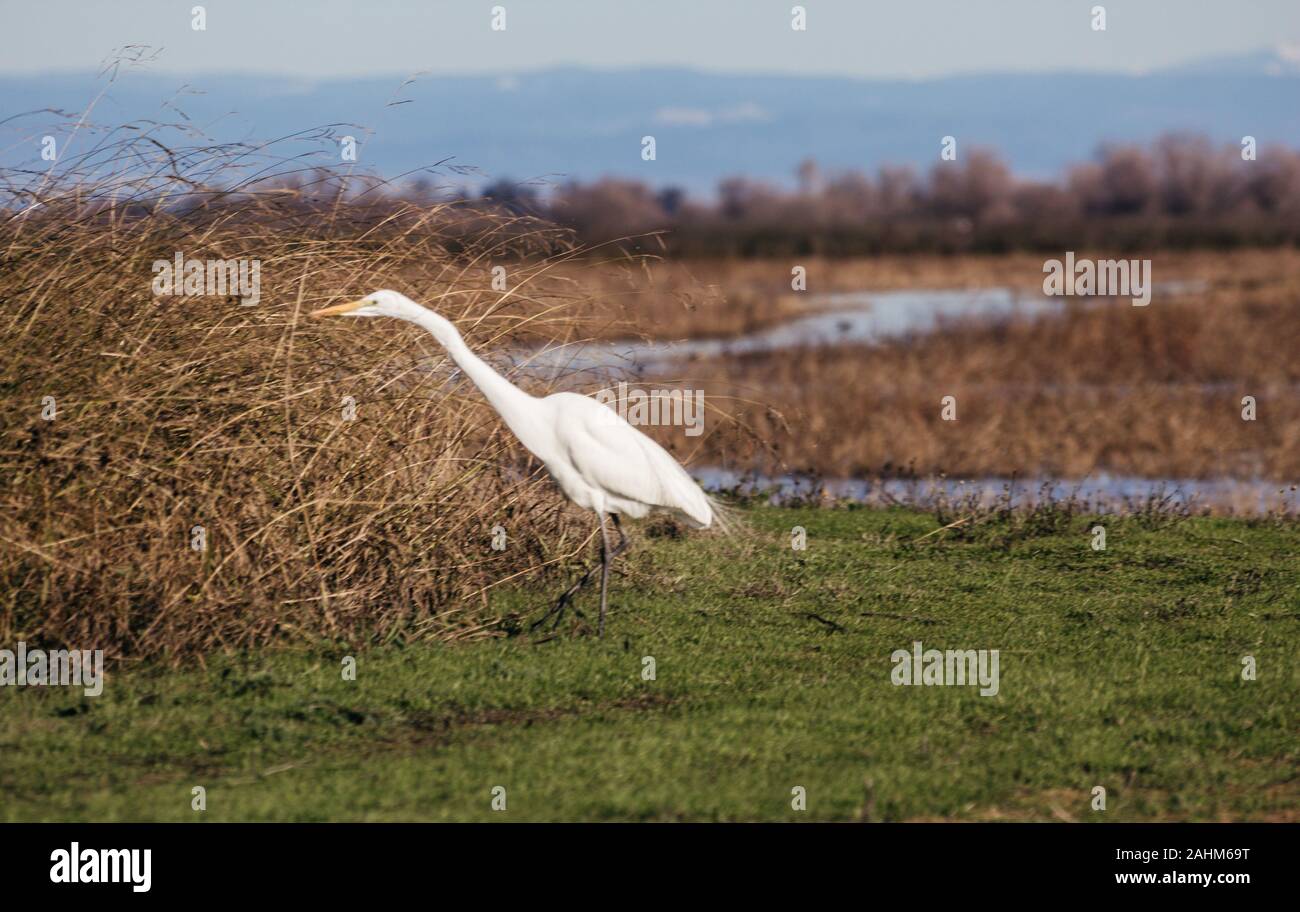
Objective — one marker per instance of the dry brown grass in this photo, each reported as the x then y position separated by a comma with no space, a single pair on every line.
177,412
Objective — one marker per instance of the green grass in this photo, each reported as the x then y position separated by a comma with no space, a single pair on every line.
1119,668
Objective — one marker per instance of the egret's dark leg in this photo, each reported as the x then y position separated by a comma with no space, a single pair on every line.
605,558
622,539
608,562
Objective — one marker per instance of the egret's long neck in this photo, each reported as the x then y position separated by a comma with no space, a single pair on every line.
505,397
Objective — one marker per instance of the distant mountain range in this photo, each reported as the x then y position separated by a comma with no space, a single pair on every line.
566,123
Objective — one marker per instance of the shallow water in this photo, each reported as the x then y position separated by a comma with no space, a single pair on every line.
1102,492
856,317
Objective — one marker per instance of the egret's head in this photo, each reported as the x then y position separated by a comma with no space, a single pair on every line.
382,303
387,303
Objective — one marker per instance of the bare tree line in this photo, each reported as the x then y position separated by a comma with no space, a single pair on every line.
1179,191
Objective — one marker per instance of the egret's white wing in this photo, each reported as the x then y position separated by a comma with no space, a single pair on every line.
620,460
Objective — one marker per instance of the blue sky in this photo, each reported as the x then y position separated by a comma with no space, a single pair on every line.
899,38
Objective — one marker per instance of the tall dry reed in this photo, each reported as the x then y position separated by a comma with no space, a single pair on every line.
187,473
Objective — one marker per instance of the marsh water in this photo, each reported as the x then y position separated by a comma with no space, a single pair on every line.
837,318
1101,492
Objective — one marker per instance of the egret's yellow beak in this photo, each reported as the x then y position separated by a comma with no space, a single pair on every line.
339,308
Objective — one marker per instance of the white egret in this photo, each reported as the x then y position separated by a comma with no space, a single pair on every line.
599,461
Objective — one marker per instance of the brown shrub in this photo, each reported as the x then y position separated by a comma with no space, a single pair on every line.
177,412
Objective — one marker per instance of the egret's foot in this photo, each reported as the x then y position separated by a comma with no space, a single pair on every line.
556,611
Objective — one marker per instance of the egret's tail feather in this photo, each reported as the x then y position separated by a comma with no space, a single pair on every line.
726,519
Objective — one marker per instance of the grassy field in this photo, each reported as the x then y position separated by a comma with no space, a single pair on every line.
1119,668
